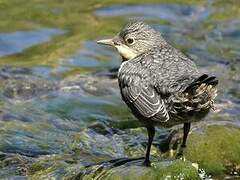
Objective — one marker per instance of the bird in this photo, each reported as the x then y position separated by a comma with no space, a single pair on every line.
161,85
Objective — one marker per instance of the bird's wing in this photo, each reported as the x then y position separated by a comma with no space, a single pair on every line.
139,94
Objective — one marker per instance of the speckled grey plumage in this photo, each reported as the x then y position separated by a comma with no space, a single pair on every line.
160,85
154,83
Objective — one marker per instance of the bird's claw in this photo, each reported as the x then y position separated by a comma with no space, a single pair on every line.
180,154
147,163
181,157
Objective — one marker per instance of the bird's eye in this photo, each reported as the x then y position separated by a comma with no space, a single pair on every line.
130,41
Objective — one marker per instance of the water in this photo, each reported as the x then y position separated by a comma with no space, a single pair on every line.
60,107
170,12
16,42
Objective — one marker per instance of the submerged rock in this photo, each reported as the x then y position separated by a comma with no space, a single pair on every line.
27,88
19,84
94,84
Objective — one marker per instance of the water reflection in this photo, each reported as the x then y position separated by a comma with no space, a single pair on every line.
171,13
16,42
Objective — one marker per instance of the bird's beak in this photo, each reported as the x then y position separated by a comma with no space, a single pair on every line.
108,42
124,50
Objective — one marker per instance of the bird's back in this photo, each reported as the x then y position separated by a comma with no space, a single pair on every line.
163,86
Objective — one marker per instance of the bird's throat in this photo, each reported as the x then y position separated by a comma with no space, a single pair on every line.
126,52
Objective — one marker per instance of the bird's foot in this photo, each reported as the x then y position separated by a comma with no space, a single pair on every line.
180,154
181,157
147,163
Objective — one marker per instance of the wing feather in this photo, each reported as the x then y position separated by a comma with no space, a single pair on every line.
140,95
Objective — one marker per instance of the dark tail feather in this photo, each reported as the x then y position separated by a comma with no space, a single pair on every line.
211,81
204,79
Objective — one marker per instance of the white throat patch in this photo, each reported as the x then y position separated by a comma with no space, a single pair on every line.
126,52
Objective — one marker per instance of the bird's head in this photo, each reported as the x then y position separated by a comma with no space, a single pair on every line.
134,39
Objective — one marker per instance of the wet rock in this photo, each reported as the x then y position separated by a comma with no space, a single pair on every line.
53,167
8,72
101,129
28,152
10,117
112,73
91,84
28,87
15,165
167,141
134,170
20,84
97,147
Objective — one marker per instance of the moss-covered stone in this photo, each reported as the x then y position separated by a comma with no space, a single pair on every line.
53,166
216,149
161,170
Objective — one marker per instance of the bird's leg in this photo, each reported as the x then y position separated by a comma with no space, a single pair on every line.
151,132
186,129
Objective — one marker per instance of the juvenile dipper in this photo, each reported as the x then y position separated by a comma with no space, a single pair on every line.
160,85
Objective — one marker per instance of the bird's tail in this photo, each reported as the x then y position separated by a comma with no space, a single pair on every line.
198,95
203,84
201,92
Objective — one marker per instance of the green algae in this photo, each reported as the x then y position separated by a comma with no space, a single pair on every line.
162,170
51,166
216,149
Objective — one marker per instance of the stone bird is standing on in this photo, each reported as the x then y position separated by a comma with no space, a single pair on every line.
160,85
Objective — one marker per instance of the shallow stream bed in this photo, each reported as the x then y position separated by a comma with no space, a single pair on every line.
61,115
